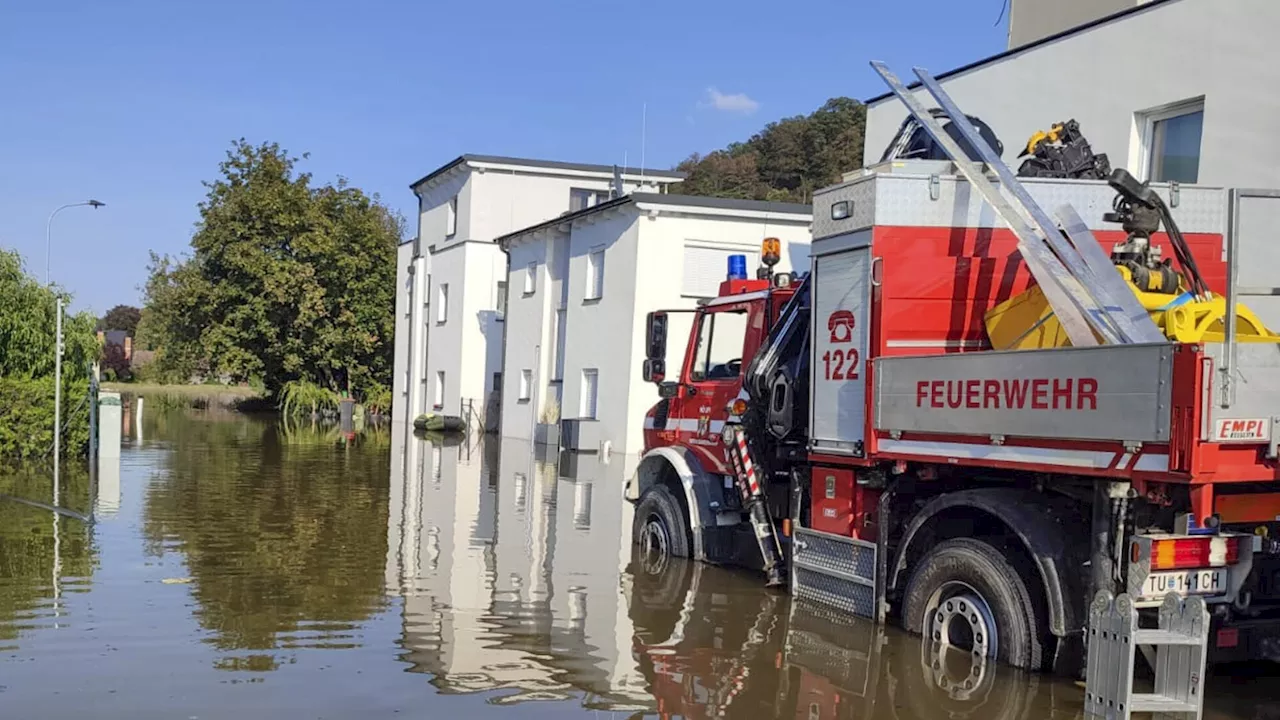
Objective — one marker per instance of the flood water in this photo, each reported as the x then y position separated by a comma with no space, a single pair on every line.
238,568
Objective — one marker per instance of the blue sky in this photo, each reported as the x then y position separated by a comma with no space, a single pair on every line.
134,102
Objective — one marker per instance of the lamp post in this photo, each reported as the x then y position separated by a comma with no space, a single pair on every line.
57,346
48,231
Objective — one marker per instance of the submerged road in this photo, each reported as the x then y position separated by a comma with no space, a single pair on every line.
241,569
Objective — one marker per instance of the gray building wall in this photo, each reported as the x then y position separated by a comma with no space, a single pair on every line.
1109,76
1031,20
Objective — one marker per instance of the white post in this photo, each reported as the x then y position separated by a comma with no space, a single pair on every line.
57,402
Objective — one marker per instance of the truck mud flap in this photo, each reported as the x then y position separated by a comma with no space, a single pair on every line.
835,571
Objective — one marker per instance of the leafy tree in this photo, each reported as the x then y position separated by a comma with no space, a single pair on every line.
121,317
286,281
27,331
787,160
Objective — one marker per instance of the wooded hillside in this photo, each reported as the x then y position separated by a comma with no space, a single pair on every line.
787,160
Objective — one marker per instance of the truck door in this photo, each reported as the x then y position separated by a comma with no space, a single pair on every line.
712,379
841,311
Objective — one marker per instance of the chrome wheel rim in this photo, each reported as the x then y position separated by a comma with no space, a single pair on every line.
655,545
959,626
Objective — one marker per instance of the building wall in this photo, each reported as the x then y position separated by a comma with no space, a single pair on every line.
598,332
508,201
643,271
400,371
1107,76
490,203
1031,20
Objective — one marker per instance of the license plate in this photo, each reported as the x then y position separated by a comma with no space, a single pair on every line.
1187,582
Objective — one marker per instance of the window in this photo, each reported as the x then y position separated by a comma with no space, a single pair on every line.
706,266
526,384
1171,143
557,362
590,386
439,389
442,303
531,278
497,383
595,274
720,342
502,300
451,218
581,199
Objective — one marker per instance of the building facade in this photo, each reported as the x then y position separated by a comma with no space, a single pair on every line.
581,287
1172,90
452,276
1034,20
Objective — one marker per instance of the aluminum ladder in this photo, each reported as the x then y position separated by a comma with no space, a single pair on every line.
1180,645
1078,279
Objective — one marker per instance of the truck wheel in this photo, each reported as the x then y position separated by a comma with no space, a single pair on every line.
965,594
660,530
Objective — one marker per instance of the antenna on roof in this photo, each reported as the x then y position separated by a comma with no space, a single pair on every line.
644,126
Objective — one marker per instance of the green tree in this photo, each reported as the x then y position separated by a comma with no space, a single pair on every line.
121,317
787,160
27,331
286,281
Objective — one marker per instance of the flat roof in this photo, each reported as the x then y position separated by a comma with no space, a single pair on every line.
1135,10
697,201
669,175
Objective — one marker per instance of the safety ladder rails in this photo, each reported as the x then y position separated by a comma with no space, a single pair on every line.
1087,295
1180,643
753,501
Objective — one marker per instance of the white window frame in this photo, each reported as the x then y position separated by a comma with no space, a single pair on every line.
595,274
451,218
589,398
501,300
439,402
442,303
526,385
593,197
1146,126
531,278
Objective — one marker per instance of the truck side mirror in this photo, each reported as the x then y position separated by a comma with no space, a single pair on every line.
655,370
656,336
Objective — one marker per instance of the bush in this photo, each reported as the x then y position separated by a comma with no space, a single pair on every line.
26,413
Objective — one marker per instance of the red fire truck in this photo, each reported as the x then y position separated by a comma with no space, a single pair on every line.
913,430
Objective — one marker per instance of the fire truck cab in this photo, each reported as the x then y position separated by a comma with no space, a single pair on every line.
904,433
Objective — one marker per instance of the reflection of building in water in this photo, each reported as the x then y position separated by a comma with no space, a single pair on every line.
510,573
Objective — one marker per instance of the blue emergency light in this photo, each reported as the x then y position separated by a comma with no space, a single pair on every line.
737,267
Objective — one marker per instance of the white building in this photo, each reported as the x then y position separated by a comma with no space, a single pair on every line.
581,286
452,276
1181,90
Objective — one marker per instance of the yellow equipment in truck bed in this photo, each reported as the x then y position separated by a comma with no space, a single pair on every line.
1026,321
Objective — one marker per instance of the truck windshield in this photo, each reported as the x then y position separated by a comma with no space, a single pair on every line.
720,340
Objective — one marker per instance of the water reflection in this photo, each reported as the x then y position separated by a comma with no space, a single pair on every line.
44,555
243,568
273,524
510,570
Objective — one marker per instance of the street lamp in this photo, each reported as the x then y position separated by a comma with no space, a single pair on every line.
57,349
48,231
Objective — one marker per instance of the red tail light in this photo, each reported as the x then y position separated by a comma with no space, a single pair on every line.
1196,552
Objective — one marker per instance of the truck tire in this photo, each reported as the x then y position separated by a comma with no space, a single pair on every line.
660,530
966,594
